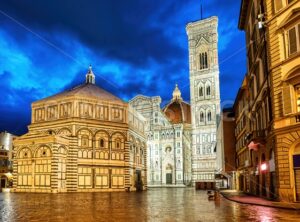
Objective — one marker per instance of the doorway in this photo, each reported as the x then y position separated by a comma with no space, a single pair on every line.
168,178
138,180
3,183
296,162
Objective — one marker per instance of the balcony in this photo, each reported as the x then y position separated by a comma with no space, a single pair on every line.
256,138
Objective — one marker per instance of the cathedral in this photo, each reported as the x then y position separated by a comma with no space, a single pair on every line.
181,137
81,140
168,133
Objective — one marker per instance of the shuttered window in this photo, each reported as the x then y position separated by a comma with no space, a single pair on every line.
278,5
287,100
292,41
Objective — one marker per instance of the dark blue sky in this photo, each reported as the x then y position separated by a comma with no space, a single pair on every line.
134,46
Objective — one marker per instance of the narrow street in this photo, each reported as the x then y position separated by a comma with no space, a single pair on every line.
177,204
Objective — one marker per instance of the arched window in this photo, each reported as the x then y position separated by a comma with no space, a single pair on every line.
208,90
209,116
203,60
201,117
101,143
200,91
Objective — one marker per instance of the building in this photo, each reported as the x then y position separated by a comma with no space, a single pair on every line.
282,22
6,140
226,158
242,152
205,98
81,140
168,132
253,109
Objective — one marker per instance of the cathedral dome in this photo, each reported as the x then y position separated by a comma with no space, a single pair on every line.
178,111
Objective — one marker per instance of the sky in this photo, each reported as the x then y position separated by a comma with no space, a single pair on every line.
135,47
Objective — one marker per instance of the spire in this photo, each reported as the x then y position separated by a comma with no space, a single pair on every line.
201,10
90,77
176,94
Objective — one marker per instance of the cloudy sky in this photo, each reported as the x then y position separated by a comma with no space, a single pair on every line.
134,46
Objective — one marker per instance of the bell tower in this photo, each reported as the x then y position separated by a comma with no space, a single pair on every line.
205,96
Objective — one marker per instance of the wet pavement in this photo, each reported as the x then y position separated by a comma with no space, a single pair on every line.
168,205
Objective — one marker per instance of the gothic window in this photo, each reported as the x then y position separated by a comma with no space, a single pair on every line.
203,60
200,91
201,117
208,90
209,116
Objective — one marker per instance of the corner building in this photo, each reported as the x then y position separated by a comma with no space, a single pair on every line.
81,140
283,38
205,98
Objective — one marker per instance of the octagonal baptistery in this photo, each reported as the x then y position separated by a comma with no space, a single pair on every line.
82,140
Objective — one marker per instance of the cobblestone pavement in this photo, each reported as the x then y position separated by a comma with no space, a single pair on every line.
168,205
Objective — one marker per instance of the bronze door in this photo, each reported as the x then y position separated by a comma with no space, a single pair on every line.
169,178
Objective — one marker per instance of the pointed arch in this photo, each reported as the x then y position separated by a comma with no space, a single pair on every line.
208,89
209,117
200,90
201,117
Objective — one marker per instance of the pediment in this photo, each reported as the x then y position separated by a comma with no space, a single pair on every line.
140,99
294,15
202,40
293,77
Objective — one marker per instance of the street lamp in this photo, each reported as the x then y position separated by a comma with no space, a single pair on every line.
263,167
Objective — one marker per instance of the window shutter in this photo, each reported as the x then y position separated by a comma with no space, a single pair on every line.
298,39
292,41
287,100
278,5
